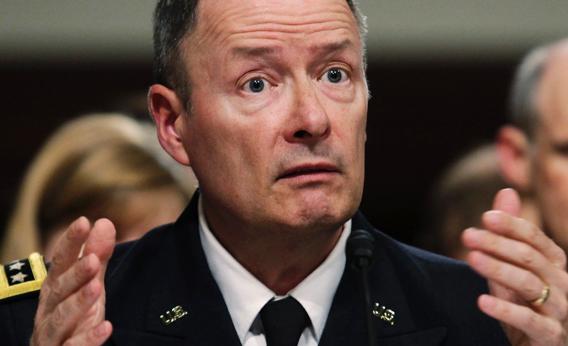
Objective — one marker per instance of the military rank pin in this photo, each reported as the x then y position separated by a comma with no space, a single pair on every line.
381,312
22,276
173,315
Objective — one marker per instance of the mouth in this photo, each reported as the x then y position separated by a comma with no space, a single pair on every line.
309,170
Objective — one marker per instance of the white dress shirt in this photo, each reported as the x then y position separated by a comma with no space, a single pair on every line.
245,295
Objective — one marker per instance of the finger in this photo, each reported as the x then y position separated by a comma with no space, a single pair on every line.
68,246
101,240
527,285
65,255
540,329
69,282
62,321
507,200
524,282
524,231
512,251
92,337
101,243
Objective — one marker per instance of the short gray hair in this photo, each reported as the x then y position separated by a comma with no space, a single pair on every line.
523,103
523,108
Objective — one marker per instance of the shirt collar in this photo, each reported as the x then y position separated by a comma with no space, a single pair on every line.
245,295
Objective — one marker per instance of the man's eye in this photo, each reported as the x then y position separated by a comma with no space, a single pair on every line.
255,85
335,75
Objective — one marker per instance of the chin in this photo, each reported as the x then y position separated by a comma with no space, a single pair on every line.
315,210
318,217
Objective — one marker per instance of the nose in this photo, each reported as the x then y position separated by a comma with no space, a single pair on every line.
309,121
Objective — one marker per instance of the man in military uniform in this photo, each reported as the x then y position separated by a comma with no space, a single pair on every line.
267,101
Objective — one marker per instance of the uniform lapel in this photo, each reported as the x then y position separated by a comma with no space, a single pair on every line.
416,321
178,277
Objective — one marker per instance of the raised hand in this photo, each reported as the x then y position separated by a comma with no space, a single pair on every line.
526,272
71,308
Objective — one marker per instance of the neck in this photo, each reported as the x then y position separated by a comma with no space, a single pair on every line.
278,257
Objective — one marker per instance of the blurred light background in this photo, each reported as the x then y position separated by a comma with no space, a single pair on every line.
439,71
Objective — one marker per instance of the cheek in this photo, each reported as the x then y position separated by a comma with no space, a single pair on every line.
351,128
552,180
551,190
554,170
233,151
209,146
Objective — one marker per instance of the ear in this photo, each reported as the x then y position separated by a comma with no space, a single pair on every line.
169,115
513,150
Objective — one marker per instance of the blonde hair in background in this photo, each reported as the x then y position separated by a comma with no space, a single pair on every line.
88,166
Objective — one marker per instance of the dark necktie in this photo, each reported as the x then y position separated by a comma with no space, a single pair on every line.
284,321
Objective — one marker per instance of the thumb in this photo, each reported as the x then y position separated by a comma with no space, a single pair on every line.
507,200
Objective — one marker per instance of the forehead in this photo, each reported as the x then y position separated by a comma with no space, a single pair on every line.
552,99
230,21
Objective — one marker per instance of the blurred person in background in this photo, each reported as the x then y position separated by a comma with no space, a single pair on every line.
463,193
533,149
97,165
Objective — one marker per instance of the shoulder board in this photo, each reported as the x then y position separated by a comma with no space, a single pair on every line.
22,276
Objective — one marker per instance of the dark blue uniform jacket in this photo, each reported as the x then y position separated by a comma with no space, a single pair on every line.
433,298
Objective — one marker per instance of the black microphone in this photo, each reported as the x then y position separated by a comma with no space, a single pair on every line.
360,249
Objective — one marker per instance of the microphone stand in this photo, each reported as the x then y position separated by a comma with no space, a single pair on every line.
360,248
